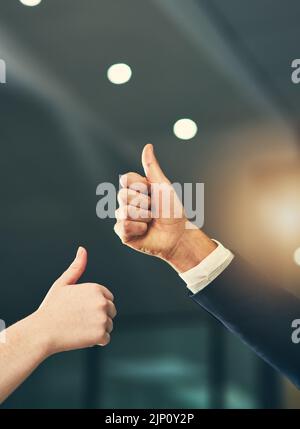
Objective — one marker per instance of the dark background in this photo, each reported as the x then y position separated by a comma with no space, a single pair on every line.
64,128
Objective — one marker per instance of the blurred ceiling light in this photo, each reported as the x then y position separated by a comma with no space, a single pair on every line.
281,213
119,74
185,129
297,256
30,2
274,207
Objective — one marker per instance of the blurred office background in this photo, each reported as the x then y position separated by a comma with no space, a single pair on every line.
65,128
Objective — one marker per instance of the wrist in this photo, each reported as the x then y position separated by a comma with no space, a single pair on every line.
39,334
191,249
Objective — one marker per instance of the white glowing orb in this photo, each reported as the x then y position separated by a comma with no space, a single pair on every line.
185,129
297,256
119,74
30,2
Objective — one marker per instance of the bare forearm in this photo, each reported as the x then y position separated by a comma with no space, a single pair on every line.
72,316
25,347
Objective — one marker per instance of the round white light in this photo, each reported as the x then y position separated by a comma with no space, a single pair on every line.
185,129
30,2
297,256
119,74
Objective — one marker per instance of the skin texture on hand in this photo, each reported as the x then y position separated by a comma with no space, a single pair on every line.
72,316
76,316
143,225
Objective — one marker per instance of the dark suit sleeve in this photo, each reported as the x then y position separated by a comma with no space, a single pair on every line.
260,313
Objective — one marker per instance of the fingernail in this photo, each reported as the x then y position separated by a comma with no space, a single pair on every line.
79,251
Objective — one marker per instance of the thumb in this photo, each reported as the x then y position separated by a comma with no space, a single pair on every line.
75,270
151,166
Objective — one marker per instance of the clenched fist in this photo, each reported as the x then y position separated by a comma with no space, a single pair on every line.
151,218
74,316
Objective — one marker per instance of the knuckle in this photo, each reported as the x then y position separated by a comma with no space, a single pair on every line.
113,309
123,179
125,239
109,294
103,304
122,195
98,337
123,213
145,202
104,319
97,286
103,339
123,230
94,287
105,290
126,179
106,339
126,227
101,322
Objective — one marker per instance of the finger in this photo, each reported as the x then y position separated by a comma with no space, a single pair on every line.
136,182
75,270
133,213
107,293
151,166
109,325
127,230
105,339
133,198
111,309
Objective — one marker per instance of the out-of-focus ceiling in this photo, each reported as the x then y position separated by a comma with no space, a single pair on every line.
65,128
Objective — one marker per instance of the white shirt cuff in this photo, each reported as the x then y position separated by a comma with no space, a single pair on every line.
208,270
